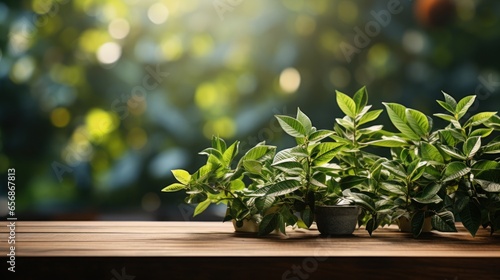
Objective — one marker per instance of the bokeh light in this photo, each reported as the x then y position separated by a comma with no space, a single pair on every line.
158,13
70,72
119,28
60,117
109,53
289,80
23,69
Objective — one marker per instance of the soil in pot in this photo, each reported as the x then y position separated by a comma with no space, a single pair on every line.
336,219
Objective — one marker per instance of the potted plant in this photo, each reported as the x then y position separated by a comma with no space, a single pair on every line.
413,173
360,174
328,179
302,173
471,173
219,181
427,175
437,175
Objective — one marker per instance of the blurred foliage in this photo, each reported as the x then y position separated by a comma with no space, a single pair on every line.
100,99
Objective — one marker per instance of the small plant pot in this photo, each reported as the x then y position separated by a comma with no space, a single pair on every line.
249,226
337,219
405,224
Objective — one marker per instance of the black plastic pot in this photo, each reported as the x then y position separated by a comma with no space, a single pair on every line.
337,219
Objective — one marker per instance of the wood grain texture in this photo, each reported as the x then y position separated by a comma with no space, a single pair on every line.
212,250
215,239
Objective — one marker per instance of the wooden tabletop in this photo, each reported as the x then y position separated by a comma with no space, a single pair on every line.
212,250
217,239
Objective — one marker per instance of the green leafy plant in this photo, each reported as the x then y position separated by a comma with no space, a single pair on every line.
218,181
360,171
443,174
302,171
433,173
320,172
471,174
413,170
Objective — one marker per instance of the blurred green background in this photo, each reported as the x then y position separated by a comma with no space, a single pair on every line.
101,99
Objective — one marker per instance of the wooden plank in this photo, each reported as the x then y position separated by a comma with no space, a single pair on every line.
215,239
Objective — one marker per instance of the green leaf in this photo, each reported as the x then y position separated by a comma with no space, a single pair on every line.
288,164
219,144
471,146
461,201
482,132
390,142
371,225
449,138
363,200
445,117
324,152
489,180
479,118
318,183
350,181
182,176
450,102
284,156
393,188
299,151
304,120
492,148
346,104
290,167
214,152
281,223
417,223
429,194
346,122
418,122
237,185
252,166
370,130
483,165
463,105
319,135
360,99
268,224
396,169
264,203
302,225
258,152
230,153
452,152
291,126
307,217
444,222
430,153
288,217
471,217
455,170
369,116
173,187
202,206
397,115
416,169
278,189
493,122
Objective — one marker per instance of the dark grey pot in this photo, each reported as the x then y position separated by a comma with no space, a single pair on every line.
337,219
